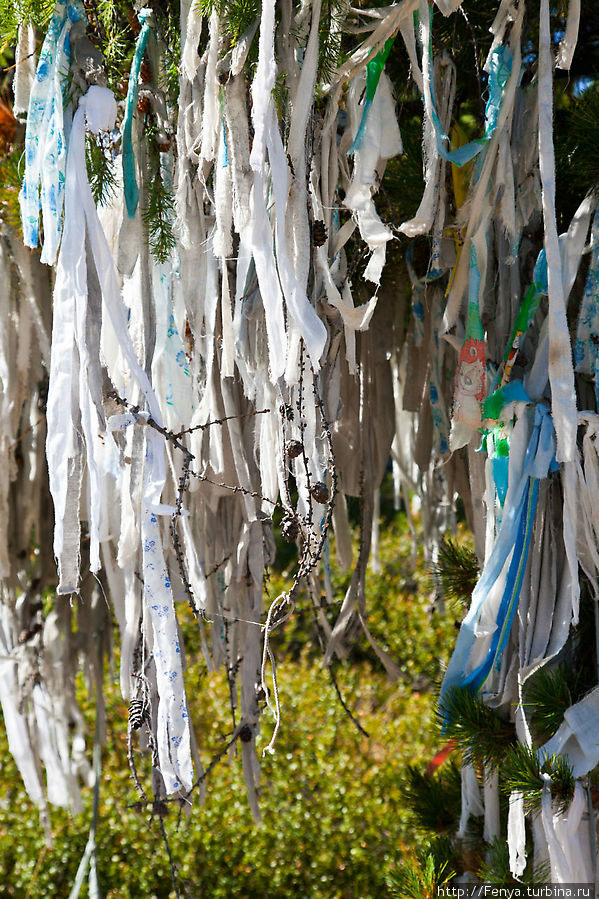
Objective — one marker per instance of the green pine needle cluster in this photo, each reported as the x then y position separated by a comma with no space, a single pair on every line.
100,169
434,798
36,12
522,771
547,696
479,731
158,214
420,876
11,175
495,868
236,15
332,16
456,570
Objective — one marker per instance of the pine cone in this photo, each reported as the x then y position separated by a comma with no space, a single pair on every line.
293,449
319,233
289,528
320,492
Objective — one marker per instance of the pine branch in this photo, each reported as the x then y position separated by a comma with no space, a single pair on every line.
421,876
522,771
102,178
478,730
12,14
11,173
434,798
456,570
158,215
496,867
547,697
236,15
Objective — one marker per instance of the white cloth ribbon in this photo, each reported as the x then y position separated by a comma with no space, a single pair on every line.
68,378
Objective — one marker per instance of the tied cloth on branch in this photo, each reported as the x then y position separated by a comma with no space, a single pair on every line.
75,432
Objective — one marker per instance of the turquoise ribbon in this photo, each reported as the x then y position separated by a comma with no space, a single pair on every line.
500,68
129,177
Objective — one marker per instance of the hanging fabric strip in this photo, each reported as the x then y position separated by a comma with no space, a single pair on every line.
567,45
470,381
145,17
45,141
499,69
486,627
479,206
374,70
98,108
24,69
260,229
586,347
561,375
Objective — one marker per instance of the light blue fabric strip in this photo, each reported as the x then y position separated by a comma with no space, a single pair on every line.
45,141
537,462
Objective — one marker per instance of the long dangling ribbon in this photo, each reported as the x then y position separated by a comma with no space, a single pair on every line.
70,377
498,398
45,141
471,371
129,176
499,68
486,627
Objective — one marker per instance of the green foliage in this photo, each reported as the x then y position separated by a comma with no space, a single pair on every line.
110,19
420,876
479,731
576,148
399,613
159,210
330,36
236,15
434,799
457,570
100,169
335,821
495,868
12,14
522,771
547,696
11,174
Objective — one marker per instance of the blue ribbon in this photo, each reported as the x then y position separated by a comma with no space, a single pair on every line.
514,536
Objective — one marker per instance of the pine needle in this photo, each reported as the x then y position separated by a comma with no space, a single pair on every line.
483,736
433,798
547,697
522,771
456,570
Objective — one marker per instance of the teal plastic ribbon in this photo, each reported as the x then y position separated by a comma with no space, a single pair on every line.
129,177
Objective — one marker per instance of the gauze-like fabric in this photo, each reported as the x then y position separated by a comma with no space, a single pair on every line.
45,138
68,377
